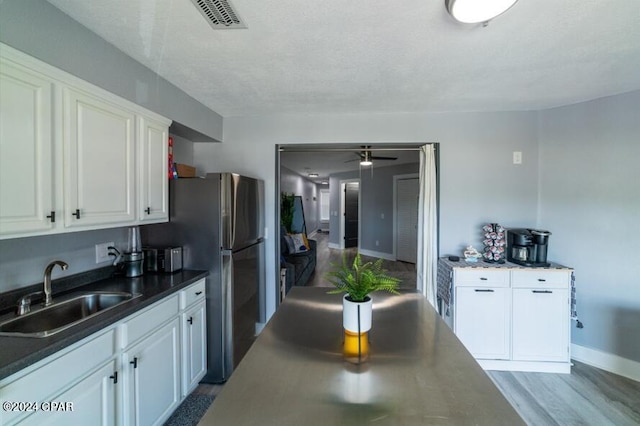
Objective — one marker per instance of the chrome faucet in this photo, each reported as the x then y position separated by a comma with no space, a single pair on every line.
48,300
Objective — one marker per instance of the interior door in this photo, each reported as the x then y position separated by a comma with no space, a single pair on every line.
407,193
351,195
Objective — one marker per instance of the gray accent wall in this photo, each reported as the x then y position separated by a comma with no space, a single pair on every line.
39,29
376,205
590,201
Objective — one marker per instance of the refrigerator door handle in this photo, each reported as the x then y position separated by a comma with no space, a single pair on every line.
227,312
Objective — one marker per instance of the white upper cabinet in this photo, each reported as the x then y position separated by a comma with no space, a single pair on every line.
99,147
74,156
26,150
153,205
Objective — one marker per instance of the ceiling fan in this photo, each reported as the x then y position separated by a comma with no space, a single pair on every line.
366,157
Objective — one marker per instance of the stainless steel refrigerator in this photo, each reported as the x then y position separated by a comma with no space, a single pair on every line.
219,222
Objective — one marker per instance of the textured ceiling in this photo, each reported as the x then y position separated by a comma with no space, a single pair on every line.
337,56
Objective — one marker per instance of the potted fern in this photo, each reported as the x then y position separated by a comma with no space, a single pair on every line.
358,280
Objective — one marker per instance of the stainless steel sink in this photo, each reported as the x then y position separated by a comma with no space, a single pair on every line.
63,314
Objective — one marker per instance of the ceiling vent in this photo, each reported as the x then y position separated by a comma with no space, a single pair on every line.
219,14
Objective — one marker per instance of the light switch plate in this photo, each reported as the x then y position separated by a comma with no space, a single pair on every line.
517,157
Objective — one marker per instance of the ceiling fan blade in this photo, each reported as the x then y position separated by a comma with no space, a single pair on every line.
383,158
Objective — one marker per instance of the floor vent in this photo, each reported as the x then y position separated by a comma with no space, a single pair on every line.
219,14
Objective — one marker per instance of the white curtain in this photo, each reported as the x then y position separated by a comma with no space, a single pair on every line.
427,225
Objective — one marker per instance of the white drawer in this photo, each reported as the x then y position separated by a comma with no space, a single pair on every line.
481,277
540,278
141,325
56,372
192,294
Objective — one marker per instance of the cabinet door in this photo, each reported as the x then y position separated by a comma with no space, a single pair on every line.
153,377
99,161
26,151
482,318
194,360
89,402
540,325
152,165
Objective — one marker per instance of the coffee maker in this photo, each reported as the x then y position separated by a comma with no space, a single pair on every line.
528,247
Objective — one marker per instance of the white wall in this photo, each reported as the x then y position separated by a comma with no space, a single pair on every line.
293,183
590,200
479,183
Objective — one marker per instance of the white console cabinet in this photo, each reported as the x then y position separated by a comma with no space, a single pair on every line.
514,318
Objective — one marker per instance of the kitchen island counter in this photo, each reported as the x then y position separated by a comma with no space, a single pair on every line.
20,352
418,371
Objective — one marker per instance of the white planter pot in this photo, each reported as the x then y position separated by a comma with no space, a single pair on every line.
356,316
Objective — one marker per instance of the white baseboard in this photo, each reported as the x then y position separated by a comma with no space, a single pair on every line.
334,246
532,366
606,361
311,235
378,254
259,327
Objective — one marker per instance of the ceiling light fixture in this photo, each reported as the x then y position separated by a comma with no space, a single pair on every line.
313,175
366,159
476,11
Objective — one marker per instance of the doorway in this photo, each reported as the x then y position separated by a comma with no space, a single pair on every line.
407,192
351,214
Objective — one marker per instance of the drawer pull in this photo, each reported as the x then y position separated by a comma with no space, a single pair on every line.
542,291
198,293
190,320
148,210
541,280
76,214
52,216
114,377
484,290
483,279
134,362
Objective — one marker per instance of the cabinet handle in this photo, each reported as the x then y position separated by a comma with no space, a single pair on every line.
114,377
484,290
541,280
134,362
76,214
198,293
190,320
542,291
483,279
148,210
52,216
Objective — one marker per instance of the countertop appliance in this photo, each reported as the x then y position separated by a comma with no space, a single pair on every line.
162,259
219,222
528,247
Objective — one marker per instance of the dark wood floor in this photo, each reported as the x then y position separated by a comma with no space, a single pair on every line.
587,396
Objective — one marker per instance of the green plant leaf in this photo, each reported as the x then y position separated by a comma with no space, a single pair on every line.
358,279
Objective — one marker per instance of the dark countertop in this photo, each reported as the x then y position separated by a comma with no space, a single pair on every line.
17,353
418,371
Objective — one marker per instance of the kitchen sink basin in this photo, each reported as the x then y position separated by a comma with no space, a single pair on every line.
63,314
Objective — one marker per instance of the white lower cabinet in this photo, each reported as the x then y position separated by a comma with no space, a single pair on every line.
90,402
135,372
194,344
482,319
540,325
514,318
152,377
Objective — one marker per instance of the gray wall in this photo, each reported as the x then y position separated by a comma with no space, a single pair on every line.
40,30
479,183
590,200
293,183
376,205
